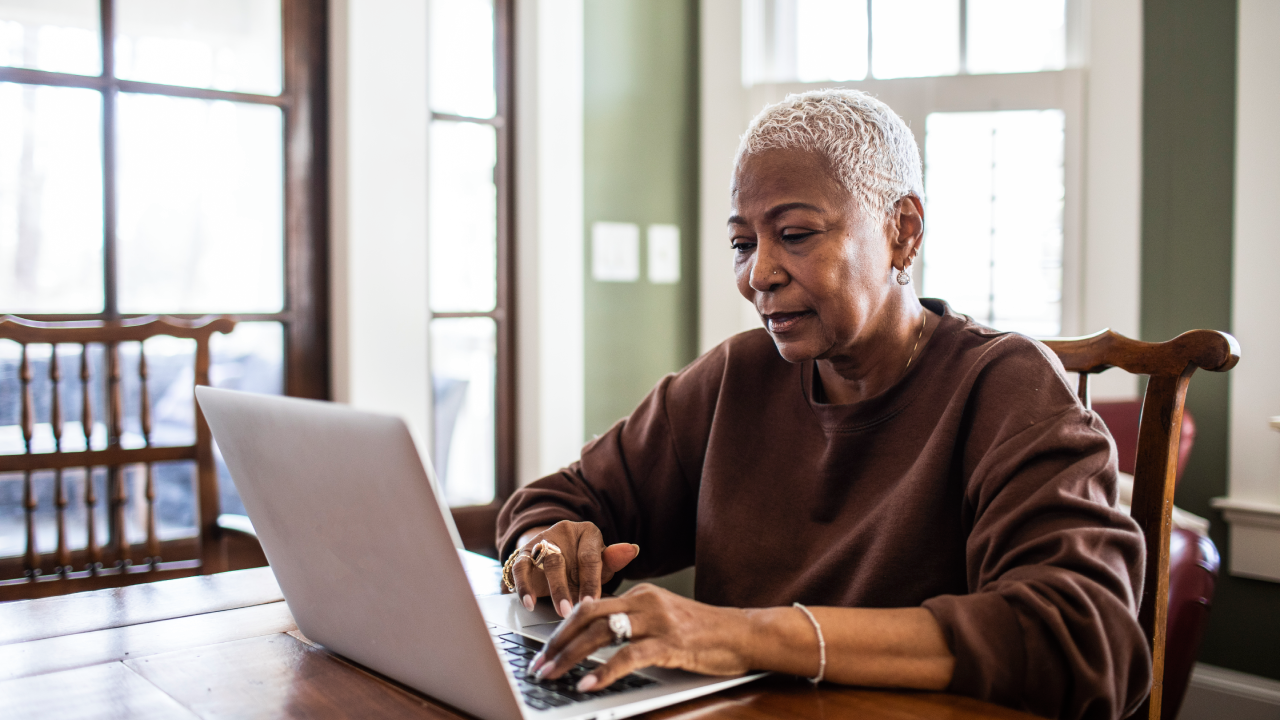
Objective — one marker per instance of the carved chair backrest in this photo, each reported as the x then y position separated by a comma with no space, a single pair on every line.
1169,366
118,561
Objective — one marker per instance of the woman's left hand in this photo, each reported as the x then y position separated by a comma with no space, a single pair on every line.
667,631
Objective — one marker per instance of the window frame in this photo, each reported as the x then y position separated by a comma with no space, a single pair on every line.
303,102
476,523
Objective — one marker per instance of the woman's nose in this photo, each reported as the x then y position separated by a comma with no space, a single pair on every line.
766,273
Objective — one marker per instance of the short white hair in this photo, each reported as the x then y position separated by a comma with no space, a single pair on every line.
870,149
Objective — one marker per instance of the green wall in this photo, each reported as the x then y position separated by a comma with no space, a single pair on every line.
640,146
1188,151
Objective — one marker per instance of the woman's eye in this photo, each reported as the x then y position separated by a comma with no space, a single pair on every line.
795,236
742,247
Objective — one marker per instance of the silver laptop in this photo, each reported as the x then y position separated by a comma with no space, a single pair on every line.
367,557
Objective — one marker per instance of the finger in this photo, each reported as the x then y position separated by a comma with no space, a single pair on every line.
590,565
526,583
617,556
639,654
578,620
591,638
555,570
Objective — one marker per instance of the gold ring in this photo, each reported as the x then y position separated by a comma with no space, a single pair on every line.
508,567
542,551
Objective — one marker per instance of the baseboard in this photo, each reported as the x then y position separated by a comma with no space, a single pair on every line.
1216,692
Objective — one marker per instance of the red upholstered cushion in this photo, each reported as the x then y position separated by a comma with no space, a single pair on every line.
1122,417
1193,572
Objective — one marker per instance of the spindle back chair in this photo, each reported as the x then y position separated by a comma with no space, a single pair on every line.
1169,366
117,561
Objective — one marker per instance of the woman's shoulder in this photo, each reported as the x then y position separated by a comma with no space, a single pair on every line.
1007,369
1004,350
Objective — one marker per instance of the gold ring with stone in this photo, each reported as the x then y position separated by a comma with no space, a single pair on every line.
542,551
508,568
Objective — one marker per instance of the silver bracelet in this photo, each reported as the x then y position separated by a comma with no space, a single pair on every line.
822,644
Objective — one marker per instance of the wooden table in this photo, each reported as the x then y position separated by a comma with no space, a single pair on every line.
226,646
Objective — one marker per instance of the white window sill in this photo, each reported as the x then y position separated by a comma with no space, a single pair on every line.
1255,536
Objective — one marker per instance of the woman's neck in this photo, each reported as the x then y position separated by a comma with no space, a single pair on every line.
877,362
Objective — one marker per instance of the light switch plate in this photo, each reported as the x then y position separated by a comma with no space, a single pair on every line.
615,252
664,254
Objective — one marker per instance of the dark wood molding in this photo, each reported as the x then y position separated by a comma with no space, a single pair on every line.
504,66
306,198
476,525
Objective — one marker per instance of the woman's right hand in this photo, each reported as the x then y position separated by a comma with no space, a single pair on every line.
572,575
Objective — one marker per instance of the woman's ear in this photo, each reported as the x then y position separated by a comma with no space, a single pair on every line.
908,224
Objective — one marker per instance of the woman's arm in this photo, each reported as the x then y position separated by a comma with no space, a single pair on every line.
875,647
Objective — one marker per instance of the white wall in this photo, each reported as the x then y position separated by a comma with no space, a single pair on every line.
549,249
1255,383
378,206
1253,505
1111,251
723,116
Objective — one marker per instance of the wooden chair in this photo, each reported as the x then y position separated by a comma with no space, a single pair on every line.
1169,366
118,561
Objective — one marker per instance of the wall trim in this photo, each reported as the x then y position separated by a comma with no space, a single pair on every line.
1213,680
1255,537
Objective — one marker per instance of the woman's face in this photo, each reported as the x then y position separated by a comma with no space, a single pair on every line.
817,268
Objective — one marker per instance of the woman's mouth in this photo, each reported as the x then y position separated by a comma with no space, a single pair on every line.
782,322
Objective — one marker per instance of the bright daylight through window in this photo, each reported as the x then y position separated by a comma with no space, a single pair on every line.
143,170
995,180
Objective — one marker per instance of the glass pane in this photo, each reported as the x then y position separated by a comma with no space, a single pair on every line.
463,214
201,225
53,35
463,372
462,52
250,359
995,203
50,199
831,40
1016,35
915,38
70,395
220,44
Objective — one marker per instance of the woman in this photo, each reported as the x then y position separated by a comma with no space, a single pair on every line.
928,491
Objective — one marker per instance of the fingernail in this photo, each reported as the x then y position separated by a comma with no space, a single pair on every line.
543,671
587,683
528,602
637,547
566,607
537,662
587,599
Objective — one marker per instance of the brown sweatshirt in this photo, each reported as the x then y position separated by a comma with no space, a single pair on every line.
977,487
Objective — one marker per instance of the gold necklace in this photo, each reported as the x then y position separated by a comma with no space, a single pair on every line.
924,315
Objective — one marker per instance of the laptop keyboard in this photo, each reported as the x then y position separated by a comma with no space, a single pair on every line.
518,652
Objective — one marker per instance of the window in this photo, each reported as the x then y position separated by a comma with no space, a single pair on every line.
469,256
987,89
995,186
164,157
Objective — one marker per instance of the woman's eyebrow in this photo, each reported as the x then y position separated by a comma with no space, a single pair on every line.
775,211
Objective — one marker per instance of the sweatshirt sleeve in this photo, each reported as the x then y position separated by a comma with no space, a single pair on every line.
638,482
1054,569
